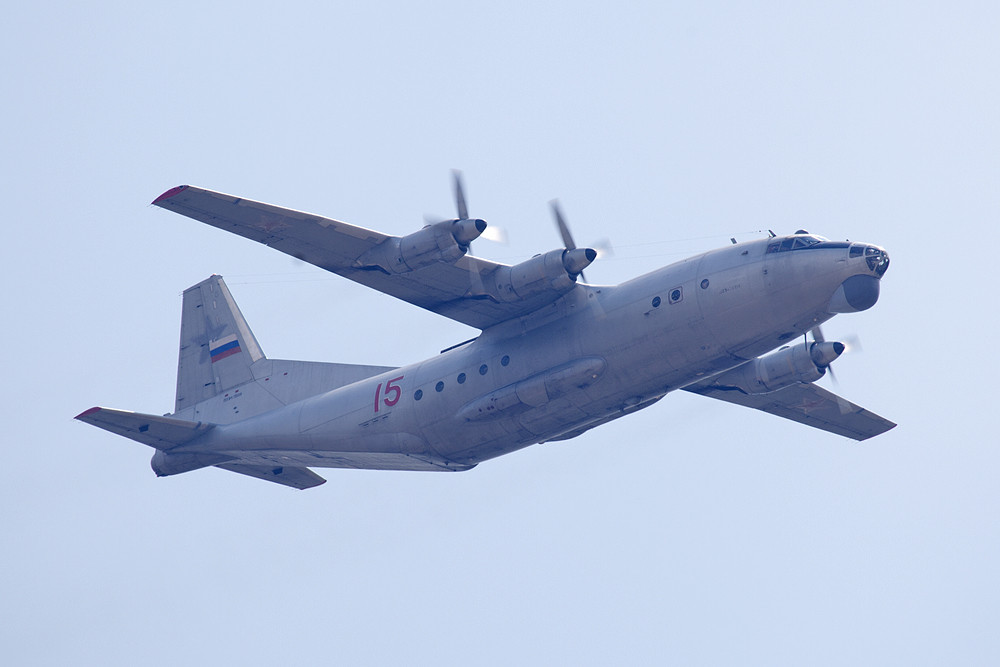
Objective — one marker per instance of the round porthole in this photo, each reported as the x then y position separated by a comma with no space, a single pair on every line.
483,369
505,360
461,378
439,386
704,283
418,394
656,302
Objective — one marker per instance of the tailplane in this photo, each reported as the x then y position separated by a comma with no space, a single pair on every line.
223,377
158,432
166,433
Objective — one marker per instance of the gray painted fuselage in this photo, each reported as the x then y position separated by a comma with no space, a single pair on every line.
593,355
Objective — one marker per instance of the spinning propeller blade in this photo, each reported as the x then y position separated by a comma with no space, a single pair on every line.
838,348
818,337
463,210
567,238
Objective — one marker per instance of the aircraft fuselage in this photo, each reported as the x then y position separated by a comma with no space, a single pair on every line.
589,357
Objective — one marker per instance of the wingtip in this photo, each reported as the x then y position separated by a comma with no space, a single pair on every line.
87,412
170,193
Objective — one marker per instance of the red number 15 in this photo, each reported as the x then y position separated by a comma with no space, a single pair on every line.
390,388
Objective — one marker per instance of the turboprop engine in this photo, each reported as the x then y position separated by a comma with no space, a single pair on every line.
804,363
553,273
444,241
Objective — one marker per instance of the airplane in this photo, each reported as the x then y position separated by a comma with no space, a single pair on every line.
554,357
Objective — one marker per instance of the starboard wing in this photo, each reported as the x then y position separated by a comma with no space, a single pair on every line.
452,289
807,404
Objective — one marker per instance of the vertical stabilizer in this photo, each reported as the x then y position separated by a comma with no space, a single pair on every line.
217,346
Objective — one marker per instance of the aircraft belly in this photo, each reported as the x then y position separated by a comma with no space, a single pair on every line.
356,460
556,416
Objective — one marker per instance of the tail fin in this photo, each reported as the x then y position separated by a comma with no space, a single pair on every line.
217,346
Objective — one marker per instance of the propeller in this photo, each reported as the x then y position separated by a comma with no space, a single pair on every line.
463,210
824,355
567,238
483,231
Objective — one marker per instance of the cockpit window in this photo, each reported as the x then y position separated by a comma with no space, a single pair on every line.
793,243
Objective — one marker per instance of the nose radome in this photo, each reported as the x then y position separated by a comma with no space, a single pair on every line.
857,293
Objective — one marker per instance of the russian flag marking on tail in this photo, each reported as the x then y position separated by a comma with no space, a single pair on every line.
224,347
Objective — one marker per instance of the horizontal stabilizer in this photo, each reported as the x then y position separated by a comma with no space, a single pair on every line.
299,478
163,433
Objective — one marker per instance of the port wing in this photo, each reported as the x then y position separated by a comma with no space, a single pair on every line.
453,289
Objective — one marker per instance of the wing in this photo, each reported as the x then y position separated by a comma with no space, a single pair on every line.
806,404
452,289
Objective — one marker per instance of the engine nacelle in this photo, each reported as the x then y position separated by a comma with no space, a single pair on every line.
800,363
445,241
552,273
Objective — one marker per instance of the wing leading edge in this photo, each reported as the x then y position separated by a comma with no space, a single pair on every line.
453,289
806,404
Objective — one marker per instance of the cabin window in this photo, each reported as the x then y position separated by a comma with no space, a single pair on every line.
505,360
656,302
418,394
483,369
439,386
461,378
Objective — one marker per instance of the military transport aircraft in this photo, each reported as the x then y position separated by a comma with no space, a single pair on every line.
555,357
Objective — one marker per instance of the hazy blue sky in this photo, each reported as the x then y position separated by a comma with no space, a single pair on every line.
694,532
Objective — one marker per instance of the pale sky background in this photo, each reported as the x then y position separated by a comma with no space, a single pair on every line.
692,533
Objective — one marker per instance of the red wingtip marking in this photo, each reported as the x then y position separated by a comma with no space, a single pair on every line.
170,193
87,412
